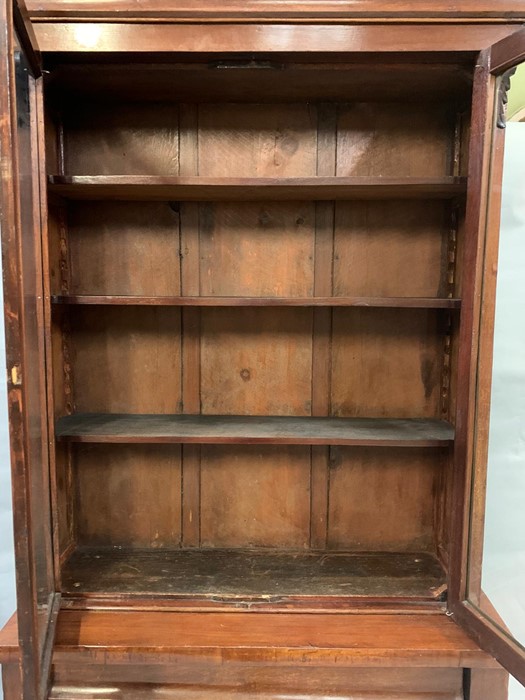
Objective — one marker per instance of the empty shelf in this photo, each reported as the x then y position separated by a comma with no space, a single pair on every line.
138,187
284,430
246,574
371,302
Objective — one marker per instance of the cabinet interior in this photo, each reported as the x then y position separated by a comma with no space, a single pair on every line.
340,307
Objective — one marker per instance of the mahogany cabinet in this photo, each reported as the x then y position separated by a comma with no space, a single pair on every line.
246,248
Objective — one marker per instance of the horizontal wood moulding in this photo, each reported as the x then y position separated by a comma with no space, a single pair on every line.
240,575
297,39
228,9
139,187
272,430
379,302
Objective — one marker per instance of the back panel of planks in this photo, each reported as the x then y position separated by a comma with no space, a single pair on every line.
253,361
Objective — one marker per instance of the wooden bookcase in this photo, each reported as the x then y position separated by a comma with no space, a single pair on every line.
250,280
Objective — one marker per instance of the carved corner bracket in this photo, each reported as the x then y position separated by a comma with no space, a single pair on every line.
503,98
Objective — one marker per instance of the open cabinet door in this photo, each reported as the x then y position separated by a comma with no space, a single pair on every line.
488,599
21,134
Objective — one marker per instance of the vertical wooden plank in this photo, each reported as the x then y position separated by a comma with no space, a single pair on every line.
322,331
382,500
470,267
128,495
191,342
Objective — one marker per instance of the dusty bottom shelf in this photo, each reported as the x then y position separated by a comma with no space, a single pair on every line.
238,575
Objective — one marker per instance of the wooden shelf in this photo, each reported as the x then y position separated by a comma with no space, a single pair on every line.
136,187
372,302
223,574
283,430
291,644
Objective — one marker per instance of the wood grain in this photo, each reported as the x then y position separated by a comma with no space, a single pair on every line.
9,645
201,188
128,496
272,682
390,249
286,430
379,140
134,139
363,513
386,363
249,249
303,38
333,9
233,679
142,237
255,497
136,300
321,640
135,351
257,363
232,574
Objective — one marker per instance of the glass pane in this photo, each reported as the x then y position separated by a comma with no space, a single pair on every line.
498,588
32,363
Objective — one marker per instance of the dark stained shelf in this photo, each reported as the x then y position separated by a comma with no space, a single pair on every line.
246,574
371,302
283,430
138,187
379,302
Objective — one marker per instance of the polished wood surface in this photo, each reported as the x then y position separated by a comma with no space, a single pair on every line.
284,9
324,639
219,38
508,52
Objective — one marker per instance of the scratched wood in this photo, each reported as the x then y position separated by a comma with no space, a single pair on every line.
128,496
229,573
